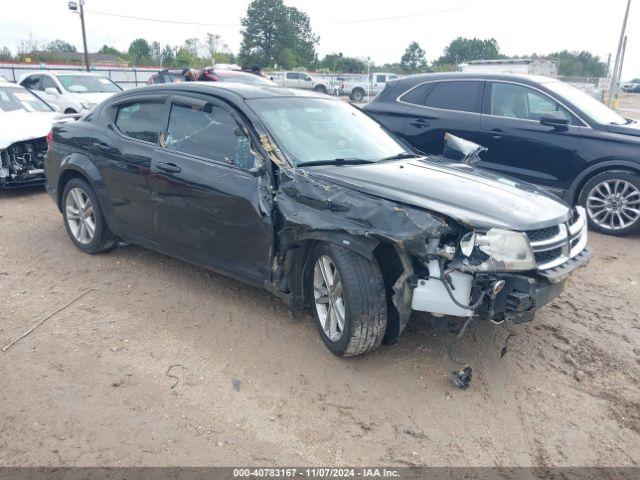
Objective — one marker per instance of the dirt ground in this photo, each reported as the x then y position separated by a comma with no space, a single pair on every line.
254,385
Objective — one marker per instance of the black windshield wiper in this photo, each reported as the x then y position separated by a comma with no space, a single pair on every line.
336,161
400,156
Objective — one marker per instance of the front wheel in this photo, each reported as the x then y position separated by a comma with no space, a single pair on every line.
348,300
612,202
320,89
83,218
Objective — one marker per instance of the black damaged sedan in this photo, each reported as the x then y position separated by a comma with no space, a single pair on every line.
308,197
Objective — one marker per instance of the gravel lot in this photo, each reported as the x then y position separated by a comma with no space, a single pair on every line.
254,385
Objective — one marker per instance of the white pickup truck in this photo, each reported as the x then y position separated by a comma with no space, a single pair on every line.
296,79
358,88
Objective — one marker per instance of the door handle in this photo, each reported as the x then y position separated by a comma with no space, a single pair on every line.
168,167
420,123
498,133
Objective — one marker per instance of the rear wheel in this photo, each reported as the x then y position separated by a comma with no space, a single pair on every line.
320,89
357,94
612,201
348,300
83,218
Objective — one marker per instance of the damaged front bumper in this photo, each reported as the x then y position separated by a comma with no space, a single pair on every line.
22,164
494,296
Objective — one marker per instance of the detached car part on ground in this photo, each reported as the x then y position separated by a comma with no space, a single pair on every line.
25,121
308,197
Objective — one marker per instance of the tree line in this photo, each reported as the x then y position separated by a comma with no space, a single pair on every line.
275,36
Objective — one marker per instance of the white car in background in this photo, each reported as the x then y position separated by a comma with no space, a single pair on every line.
71,92
25,122
302,80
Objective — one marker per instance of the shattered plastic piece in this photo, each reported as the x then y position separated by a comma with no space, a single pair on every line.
461,150
462,378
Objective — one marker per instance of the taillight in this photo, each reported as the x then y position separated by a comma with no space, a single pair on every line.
49,138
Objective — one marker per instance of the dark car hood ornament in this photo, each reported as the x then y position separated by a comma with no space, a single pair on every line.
461,150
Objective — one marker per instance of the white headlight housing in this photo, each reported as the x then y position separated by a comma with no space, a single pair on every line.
497,251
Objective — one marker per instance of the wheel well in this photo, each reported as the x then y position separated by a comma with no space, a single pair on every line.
590,175
64,179
391,267
70,110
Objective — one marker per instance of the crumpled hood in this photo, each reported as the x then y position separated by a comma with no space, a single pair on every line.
20,125
469,195
95,97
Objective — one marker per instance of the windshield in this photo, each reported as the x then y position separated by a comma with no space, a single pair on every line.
589,105
312,130
88,84
12,99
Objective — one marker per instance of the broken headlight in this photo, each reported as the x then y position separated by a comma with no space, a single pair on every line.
497,251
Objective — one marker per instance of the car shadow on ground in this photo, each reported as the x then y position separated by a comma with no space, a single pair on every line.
15,193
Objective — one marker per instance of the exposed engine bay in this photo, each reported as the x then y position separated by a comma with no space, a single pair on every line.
22,163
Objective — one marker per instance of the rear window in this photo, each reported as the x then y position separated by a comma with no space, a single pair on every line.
141,120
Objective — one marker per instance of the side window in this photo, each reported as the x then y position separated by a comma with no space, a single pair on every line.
34,82
293,76
380,79
48,83
463,96
141,120
210,133
517,101
418,94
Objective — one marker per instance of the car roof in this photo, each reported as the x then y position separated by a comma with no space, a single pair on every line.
532,79
242,90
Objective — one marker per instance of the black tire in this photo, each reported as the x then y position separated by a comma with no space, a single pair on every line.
102,239
365,304
357,94
70,110
611,176
320,89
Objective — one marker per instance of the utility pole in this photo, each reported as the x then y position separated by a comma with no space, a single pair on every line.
73,6
614,87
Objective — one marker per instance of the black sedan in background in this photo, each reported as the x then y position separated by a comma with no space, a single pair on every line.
536,129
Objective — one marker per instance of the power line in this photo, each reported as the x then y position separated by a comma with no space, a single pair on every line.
339,22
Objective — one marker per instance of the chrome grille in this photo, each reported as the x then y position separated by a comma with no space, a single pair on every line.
555,245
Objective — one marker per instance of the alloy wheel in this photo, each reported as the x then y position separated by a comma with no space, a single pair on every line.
329,298
614,204
80,216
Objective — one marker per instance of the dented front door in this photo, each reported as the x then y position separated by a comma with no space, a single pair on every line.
206,205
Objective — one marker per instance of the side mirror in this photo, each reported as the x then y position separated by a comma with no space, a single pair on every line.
52,91
555,120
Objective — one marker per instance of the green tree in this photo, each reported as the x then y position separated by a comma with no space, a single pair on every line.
413,59
337,62
60,46
140,51
5,54
463,50
579,64
155,53
107,50
274,34
168,56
